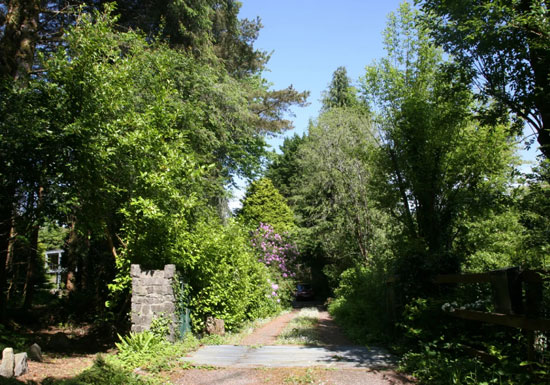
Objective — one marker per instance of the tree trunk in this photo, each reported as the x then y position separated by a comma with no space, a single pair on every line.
6,220
72,251
19,40
33,258
32,264
540,63
10,268
539,59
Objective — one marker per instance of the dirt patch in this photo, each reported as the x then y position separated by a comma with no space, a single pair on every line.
273,376
267,334
66,351
58,367
329,333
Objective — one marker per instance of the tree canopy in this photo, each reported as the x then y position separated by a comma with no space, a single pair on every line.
437,155
264,204
505,47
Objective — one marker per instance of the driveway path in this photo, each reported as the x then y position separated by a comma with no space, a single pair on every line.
257,361
267,334
284,356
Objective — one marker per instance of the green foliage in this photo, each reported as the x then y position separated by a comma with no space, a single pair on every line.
104,371
340,93
445,172
284,170
146,351
225,279
356,305
12,339
493,242
436,350
505,49
534,204
444,165
264,204
129,140
334,196
160,326
150,351
136,343
52,236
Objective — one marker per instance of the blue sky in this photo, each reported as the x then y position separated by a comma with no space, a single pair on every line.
309,39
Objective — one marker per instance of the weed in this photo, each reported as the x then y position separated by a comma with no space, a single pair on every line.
307,378
302,330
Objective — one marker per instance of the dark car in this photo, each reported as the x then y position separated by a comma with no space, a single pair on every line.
304,292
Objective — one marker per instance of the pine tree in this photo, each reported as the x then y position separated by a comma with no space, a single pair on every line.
264,204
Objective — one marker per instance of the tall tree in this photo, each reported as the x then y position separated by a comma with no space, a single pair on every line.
505,46
333,196
442,163
284,170
264,204
340,93
71,145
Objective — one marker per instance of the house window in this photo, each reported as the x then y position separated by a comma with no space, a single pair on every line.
53,265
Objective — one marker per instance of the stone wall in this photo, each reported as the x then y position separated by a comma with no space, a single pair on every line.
153,296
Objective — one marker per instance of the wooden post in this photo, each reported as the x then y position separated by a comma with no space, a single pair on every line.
533,301
507,292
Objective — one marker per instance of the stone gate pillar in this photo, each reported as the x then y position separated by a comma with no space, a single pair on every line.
152,297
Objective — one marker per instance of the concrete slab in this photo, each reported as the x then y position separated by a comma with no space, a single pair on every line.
291,356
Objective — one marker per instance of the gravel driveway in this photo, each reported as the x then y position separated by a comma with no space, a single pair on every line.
251,364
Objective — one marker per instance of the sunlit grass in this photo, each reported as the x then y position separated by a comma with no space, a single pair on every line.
302,330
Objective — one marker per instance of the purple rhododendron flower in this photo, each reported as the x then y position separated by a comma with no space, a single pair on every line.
275,251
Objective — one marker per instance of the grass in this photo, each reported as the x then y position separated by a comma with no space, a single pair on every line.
302,330
307,378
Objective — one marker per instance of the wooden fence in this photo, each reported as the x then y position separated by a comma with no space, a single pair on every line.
517,300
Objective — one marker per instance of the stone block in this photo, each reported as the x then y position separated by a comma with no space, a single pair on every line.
139,291
145,309
136,307
8,363
169,271
35,353
169,307
160,289
135,270
157,308
158,275
21,365
154,299
215,326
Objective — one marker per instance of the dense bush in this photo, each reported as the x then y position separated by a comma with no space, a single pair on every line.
436,349
278,253
224,277
359,304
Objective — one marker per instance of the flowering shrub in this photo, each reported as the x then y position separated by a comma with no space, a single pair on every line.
279,254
